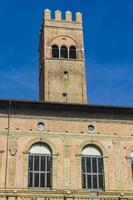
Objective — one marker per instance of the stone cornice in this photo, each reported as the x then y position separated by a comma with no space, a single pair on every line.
80,111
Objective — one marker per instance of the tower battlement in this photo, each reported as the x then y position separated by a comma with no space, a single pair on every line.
58,16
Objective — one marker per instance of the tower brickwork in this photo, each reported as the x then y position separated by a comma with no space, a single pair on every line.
61,59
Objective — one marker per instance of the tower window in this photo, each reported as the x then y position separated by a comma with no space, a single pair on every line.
92,168
40,164
55,51
72,52
64,52
65,72
64,94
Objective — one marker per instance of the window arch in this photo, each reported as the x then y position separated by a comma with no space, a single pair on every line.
40,164
55,51
64,52
72,52
92,168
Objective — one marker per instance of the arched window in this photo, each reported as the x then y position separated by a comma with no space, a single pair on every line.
55,51
40,165
64,52
92,168
72,52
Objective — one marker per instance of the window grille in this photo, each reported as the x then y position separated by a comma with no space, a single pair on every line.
92,169
40,164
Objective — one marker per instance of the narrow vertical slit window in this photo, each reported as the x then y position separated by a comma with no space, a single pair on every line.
40,164
64,94
66,74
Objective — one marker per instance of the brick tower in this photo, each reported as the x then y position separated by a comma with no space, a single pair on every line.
61,59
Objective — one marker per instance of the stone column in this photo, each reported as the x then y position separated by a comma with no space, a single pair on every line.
67,176
68,51
106,172
12,160
25,169
79,174
129,171
54,171
1,155
59,52
67,166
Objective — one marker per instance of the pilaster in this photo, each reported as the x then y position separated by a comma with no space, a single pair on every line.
67,176
116,144
12,161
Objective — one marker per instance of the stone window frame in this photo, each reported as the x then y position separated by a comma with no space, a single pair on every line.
41,122
129,167
92,172
91,131
45,172
105,163
55,54
75,44
72,52
26,158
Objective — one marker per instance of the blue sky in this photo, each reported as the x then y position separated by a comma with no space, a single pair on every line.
108,33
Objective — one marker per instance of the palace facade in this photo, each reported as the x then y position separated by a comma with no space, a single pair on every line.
61,148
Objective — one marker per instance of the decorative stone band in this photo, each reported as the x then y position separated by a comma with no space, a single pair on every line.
49,47
80,155
53,155
59,197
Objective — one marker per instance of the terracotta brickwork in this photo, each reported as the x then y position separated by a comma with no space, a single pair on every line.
53,82
113,137
65,127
